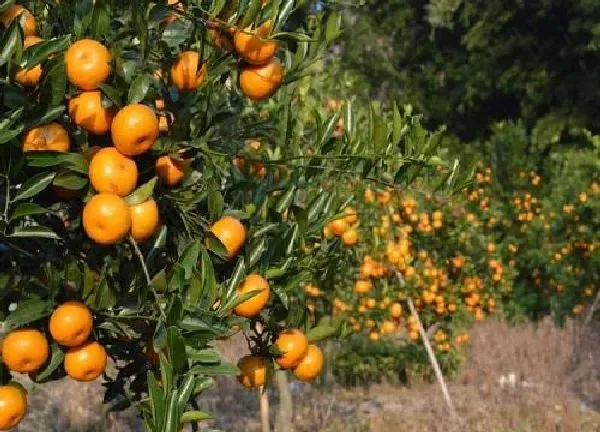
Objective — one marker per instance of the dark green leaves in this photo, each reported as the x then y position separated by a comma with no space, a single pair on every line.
27,311
34,185
142,194
39,52
9,42
138,89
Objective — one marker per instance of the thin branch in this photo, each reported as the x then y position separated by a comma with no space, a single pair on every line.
140,256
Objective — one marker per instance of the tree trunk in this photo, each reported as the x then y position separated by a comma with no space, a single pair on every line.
264,410
285,415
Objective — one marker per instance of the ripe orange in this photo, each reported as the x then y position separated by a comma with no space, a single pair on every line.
71,324
144,220
352,215
253,46
362,286
170,170
350,237
252,306
338,226
24,350
134,129
85,362
311,365
186,73
261,82
86,110
13,406
293,345
106,218
29,77
49,137
231,233
253,371
88,64
12,12
396,310
112,173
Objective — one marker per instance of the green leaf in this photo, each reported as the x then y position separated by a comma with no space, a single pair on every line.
205,356
157,400
52,114
39,52
176,350
189,258
34,185
194,416
10,39
74,161
71,181
172,416
195,290
100,21
27,209
209,282
142,194
36,231
236,277
322,331
255,252
159,281
139,88
27,311
215,203
54,85
286,200
216,370
332,28
251,13
56,359
112,94
185,391
285,11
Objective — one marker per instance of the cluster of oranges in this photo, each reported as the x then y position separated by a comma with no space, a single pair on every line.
295,353
344,227
26,351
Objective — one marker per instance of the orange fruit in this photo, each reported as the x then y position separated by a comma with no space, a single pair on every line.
49,137
24,350
362,286
311,365
88,64
29,77
253,371
261,82
112,173
222,38
231,233
352,215
144,220
71,324
186,73
13,406
170,170
106,218
86,362
350,237
338,226
253,46
86,110
12,12
252,306
134,129
396,310
293,345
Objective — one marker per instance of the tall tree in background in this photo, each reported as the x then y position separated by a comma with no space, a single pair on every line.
470,63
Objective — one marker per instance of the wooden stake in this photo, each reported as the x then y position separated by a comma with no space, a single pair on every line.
433,360
263,397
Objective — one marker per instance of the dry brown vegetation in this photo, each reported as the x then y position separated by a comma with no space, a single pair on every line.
551,379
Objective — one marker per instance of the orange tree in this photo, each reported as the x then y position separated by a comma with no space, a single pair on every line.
158,194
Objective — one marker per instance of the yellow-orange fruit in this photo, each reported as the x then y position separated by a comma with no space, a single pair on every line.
71,324
106,219
24,350
231,233
311,364
293,346
134,129
29,77
186,73
48,137
252,306
261,82
86,362
86,110
253,371
88,64
112,173
144,220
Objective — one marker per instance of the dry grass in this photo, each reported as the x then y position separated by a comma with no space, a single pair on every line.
556,388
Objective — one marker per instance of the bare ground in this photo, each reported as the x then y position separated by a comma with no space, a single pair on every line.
551,382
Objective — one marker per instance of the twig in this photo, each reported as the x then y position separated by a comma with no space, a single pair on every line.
140,256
